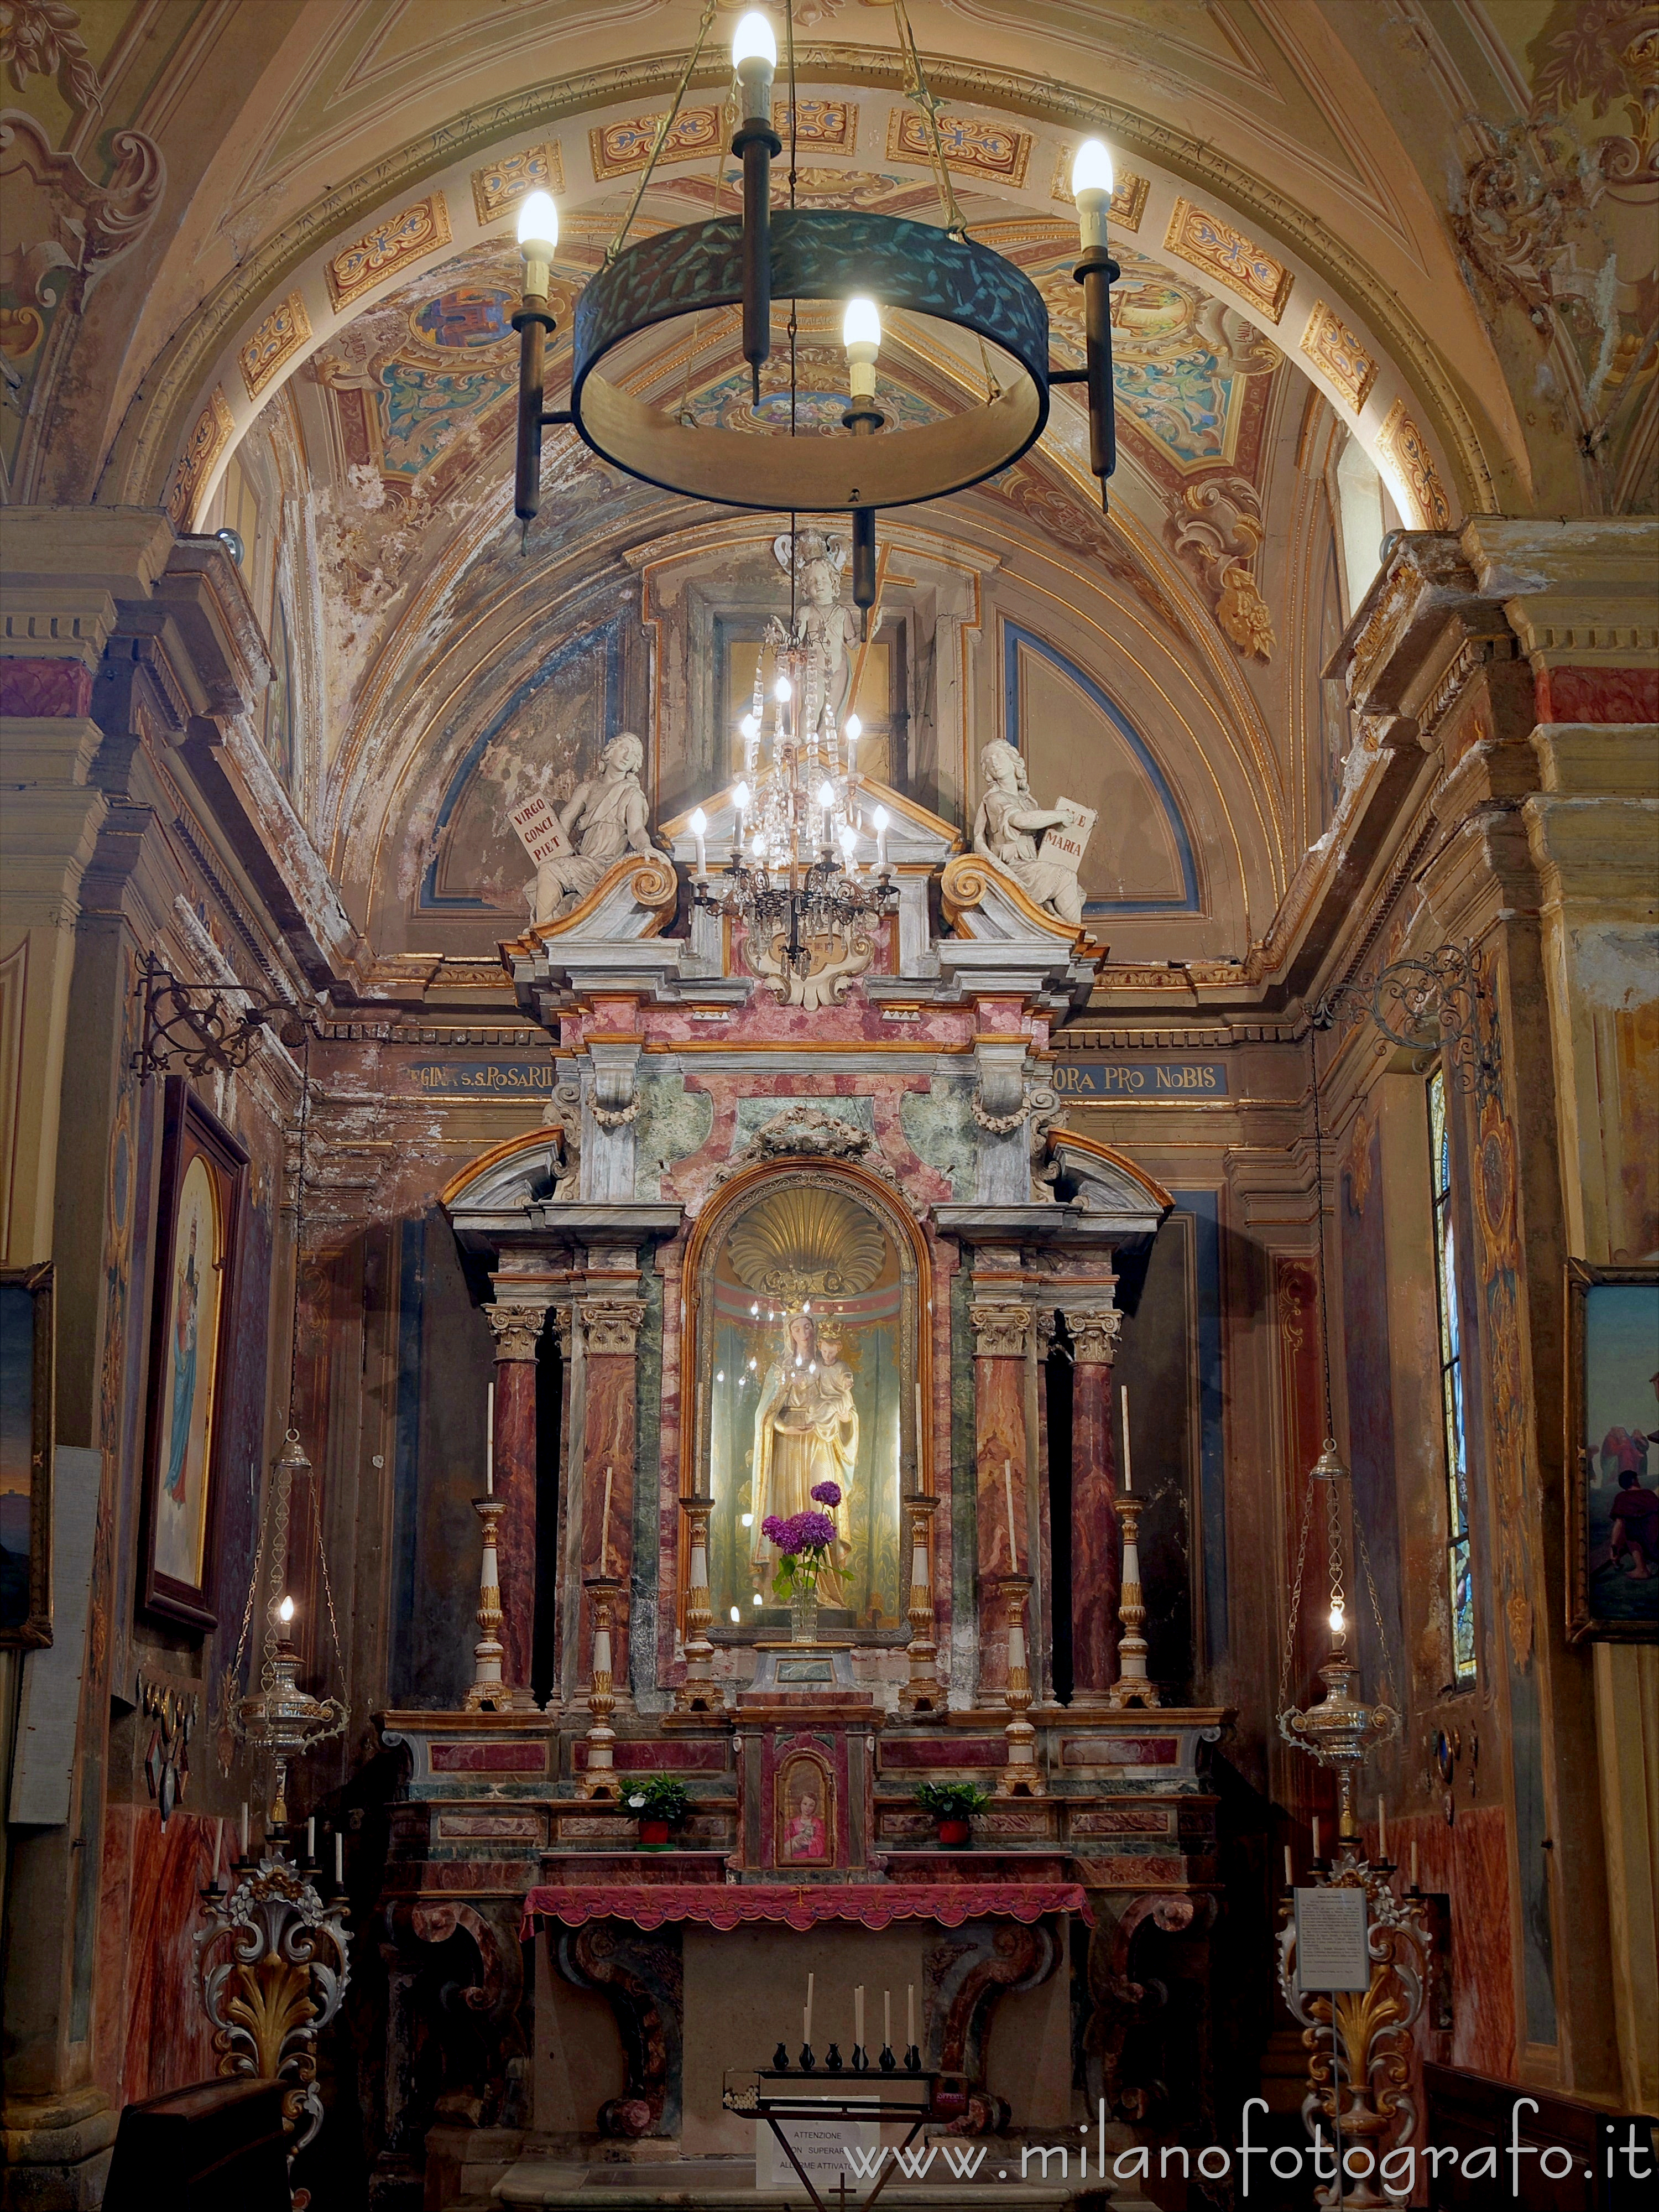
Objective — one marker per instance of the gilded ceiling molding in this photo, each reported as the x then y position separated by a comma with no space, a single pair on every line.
500,185
278,338
1332,346
359,267
207,441
140,460
1223,252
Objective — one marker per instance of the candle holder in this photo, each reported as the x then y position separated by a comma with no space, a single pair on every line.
923,1692
1020,1777
699,1693
1359,2042
912,2060
808,2063
832,2058
1132,1687
487,1693
781,2060
601,1778
887,2062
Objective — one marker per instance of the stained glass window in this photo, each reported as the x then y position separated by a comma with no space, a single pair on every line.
1459,1573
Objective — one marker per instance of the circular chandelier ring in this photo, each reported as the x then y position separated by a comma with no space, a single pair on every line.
815,254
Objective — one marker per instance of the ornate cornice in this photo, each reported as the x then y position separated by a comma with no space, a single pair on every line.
163,397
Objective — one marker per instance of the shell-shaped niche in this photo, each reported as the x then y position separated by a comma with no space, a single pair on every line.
803,1242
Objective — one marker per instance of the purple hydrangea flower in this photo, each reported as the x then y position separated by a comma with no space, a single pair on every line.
772,1529
827,1493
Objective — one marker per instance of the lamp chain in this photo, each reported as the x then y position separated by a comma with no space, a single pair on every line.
663,129
1294,1613
918,90
1319,1227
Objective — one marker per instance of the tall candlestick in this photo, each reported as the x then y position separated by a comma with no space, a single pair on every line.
1415,1881
244,1827
806,2016
910,2016
1315,1834
489,1440
1013,1540
218,1840
1382,1828
1123,1400
604,1529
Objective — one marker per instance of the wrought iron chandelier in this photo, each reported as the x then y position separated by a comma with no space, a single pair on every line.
795,878
826,254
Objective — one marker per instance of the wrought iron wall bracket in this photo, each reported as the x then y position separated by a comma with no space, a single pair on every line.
1435,1002
197,1028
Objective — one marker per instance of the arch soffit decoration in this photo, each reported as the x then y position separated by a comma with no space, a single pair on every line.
185,377
731,1200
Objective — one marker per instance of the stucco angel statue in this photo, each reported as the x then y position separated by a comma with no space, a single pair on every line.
1005,830
604,818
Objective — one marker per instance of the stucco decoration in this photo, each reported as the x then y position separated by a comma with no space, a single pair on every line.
603,821
1006,829
808,1132
1217,530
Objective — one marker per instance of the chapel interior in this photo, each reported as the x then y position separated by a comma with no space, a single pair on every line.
829,1103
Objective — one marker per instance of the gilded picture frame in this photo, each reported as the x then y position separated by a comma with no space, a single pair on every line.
1613,1454
804,1811
193,1308
27,1428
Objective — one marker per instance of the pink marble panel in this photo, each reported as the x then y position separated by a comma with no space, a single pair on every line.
167,2042
1095,1544
515,1481
1468,1863
943,1751
489,1757
663,1758
1119,1751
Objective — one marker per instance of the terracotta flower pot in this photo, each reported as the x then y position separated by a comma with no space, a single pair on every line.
954,1832
653,1834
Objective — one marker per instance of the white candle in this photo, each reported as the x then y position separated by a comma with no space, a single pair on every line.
806,2016
1013,1540
244,1827
858,2018
1290,1879
887,2020
1123,1400
311,1839
1414,1881
489,1440
1382,1828
604,1529
339,1857
218,1841
1316,1830
920,1484
909,2015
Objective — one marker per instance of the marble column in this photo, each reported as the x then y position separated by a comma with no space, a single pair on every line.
1094,1521
610,1333
1002,1337
517,1329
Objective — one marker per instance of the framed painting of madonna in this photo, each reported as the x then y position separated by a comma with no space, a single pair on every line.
1613,1454
806,1304
193,1301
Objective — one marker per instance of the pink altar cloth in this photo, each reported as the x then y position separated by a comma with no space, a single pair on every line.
801,1906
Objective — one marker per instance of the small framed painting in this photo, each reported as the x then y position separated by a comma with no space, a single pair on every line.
193,1301
27,1428
804,1804
1613,1453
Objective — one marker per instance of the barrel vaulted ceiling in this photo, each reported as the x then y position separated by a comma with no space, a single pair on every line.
280,240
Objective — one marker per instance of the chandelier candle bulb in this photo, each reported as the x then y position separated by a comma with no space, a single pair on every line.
699,828
755,59
880,817
1092,189
538,238
860,335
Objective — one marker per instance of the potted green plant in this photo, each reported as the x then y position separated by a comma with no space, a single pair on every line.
952,1805
662,1805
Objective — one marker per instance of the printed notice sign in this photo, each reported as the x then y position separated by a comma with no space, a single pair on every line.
819,2145
1330,1940
1064,843
538,825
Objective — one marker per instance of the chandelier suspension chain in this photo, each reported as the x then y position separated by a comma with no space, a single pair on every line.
921,92
663,129
1294,1613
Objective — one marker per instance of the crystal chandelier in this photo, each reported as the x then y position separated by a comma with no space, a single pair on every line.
795,879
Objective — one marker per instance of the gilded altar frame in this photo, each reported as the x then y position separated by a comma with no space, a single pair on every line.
747,1188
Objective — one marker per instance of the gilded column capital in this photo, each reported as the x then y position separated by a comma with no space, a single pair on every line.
518,1329
611,1324
1001,1331
1095,1334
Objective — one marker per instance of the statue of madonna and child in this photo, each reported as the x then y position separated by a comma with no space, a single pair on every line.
806,1445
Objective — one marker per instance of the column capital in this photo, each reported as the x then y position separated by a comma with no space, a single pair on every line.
1095,1332
612,1324
1002,1329
518,1329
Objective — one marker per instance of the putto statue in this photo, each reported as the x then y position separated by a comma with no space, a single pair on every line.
1006,827
603,819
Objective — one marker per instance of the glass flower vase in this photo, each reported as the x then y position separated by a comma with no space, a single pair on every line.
804,1616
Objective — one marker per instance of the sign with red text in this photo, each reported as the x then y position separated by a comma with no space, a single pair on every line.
1064,843
538,825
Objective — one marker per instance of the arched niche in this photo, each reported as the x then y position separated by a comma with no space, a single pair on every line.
808,1286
